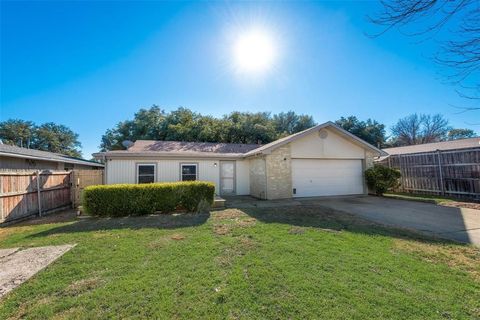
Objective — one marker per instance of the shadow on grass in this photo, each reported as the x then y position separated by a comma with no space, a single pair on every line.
162,221
326,218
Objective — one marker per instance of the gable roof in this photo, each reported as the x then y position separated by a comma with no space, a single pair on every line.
18,152
429,147
280,142
182,148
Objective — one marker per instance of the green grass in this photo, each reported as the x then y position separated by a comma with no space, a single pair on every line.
290,263
436,199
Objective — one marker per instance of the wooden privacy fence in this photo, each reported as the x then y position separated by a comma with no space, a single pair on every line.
82,179
452,172
27,193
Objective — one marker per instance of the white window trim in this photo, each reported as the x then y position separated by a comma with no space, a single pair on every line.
146,164
188,164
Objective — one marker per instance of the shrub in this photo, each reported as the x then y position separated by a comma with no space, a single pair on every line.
118,200
381,179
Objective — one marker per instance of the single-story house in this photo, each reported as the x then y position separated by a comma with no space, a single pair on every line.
13,157
324,160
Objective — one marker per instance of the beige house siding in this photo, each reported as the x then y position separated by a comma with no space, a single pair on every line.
332,146
168,170
279,173
258,178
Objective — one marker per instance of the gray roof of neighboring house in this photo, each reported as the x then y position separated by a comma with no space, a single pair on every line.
429,147
18,152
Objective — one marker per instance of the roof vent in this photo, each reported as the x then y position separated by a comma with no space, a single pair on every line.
127,144
323,134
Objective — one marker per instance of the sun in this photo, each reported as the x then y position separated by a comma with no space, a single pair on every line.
254,51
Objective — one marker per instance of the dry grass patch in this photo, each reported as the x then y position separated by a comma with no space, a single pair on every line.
221,229
464,258
241,247
228,214
177,237
84,285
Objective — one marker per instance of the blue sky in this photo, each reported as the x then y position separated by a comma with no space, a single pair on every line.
89,65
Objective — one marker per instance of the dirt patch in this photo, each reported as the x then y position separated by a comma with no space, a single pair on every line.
458,204
18,267
465,258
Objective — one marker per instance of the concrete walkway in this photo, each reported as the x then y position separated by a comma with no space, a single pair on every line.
17,266
459,224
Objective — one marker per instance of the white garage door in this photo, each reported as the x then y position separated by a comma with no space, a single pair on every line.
314,177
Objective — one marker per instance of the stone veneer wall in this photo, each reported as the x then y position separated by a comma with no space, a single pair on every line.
258,179
279,173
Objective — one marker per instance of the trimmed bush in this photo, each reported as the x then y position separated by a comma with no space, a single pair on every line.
118,200
380,179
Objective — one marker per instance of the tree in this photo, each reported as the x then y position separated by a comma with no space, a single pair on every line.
371,131
455,134
185,125
47,137
418,129
289,122
57,138
17,132
460,41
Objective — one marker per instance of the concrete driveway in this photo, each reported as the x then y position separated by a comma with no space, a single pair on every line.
457,224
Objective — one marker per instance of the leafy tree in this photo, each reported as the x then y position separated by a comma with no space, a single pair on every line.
290,122
455,134
57,138
17,132
185,125
47,137
371,131
418,129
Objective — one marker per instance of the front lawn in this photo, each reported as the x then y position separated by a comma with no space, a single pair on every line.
289,263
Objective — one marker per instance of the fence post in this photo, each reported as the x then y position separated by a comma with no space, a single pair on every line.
440,171
39,192
402,172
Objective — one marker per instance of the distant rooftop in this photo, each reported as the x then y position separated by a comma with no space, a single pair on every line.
18,152
429,147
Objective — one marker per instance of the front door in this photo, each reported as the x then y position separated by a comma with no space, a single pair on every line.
227,177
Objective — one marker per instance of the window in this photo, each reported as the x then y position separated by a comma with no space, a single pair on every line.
189,172
145,173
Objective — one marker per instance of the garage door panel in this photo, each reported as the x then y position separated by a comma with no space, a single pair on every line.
321,177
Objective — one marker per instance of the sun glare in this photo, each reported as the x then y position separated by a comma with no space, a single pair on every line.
254,52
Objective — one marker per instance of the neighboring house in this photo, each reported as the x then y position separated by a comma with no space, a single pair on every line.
321,161
470,143
449,168
13,157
